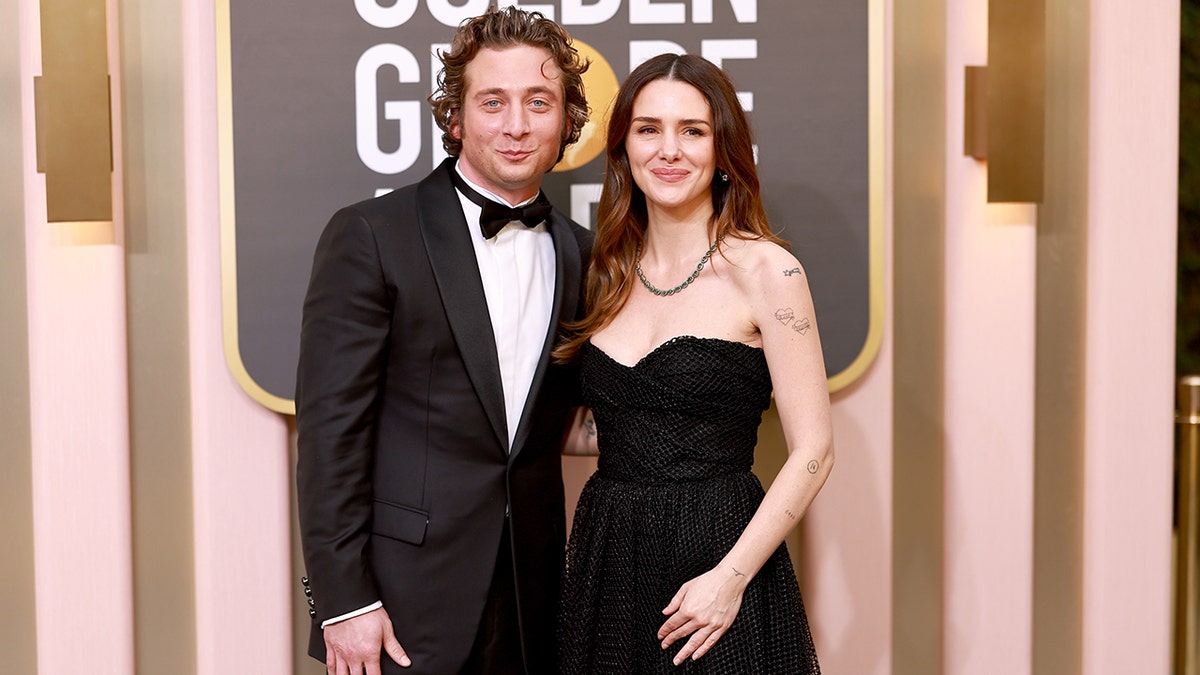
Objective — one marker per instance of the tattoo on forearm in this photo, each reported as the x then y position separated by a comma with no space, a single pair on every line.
787,317
736,572
792,272
790,514
589,425
813,466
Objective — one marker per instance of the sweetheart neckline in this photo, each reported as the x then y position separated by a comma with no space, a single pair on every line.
671,340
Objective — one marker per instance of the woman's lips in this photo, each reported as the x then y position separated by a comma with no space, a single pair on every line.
670,175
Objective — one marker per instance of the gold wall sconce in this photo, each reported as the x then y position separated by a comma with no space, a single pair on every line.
1006,102
73,111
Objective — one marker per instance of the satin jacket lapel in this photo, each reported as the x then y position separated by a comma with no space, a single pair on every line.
567,275
448,244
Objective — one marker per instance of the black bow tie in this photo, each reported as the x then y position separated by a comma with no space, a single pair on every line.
493,215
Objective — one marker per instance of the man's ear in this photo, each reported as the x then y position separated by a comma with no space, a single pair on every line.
455,127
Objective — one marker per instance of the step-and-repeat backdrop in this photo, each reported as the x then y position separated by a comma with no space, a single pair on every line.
323,104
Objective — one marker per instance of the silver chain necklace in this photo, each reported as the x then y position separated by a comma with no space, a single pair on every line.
672,291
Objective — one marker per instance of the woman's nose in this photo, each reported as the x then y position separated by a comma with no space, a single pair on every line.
668,149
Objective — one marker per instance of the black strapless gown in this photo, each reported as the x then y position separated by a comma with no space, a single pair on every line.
672,493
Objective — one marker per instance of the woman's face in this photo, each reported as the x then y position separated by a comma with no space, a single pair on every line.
670,148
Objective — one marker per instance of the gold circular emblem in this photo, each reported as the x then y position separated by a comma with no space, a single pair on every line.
600,84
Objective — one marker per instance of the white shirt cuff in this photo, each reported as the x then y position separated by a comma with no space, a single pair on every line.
350,615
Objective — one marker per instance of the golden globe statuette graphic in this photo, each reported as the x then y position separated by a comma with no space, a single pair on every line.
600,83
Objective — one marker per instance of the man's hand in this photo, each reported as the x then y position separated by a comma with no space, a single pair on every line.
353,646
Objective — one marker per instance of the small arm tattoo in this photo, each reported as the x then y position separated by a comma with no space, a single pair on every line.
790,514
589,425
813,466
787,317
792,272
736,572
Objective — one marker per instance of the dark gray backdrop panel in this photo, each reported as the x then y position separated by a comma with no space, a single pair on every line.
295,160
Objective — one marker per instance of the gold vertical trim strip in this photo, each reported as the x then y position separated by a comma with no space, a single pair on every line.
18,640
918,480
152,75
1059,367
73,111
1186,631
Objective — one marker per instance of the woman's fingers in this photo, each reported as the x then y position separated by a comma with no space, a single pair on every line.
699,644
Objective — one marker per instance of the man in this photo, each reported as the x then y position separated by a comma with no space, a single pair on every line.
429,414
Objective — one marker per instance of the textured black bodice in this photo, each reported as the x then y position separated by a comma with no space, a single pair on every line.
672,494
687,411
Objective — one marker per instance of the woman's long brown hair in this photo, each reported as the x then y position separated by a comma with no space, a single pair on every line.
621,215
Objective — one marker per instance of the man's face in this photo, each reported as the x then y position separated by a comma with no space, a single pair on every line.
512,120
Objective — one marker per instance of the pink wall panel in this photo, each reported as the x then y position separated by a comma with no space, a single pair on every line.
1130,336
240,463
78,427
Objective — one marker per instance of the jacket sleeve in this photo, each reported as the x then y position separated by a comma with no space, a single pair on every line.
343,347
584,238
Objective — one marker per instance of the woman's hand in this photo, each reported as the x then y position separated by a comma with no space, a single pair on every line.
704,608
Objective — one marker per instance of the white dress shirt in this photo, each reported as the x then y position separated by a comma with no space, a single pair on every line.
517,268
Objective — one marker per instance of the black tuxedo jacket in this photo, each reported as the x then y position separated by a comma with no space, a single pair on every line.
404,473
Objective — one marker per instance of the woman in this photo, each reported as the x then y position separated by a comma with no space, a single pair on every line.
676,558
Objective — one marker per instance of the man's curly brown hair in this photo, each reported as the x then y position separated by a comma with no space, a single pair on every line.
499,29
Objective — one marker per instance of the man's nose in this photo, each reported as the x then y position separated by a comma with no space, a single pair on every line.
516,121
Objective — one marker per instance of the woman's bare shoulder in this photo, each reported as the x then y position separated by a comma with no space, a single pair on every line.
759,260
